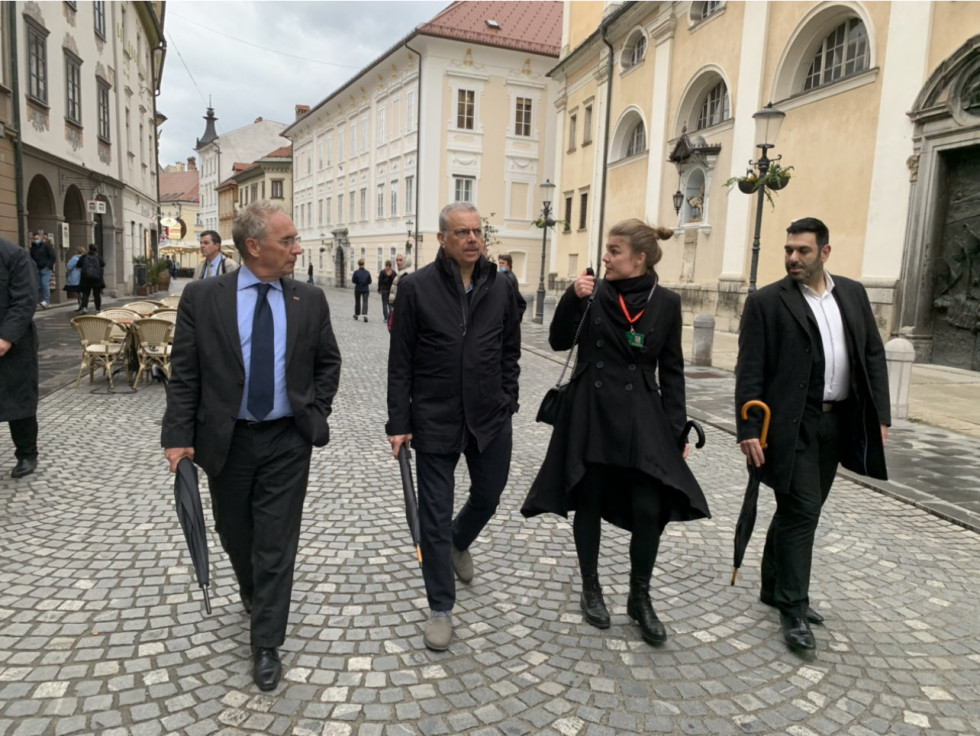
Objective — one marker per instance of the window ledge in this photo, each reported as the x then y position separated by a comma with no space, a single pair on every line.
629,159
587,143
74,124
828,90
35,102
697,24
626,71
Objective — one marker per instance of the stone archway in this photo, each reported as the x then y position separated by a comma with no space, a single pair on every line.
42,214
77,222
939,305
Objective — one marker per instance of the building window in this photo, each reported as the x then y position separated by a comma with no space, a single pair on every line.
353,139
340,148
277,188
99,7
329,210
634,51
572,130
463,188
394,199
411,111
105,128
583,212
381,201
37,58
587,125
382,121
703,10
567,227
637,142
522,120
254,193
340,209
329,150
715,108
409,195
465,109
364,134
363,205
843,53
319,212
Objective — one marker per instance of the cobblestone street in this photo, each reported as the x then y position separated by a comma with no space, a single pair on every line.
103,629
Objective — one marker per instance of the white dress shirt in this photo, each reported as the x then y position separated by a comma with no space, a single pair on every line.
837,366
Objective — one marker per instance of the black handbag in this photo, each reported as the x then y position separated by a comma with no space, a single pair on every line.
555,396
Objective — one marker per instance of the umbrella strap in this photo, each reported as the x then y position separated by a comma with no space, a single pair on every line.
578,333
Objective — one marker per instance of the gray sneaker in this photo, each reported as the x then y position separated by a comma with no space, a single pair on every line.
438,631
463,564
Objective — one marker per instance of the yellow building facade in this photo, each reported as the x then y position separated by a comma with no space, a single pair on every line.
881,127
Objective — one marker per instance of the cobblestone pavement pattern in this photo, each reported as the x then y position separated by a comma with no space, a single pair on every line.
102,628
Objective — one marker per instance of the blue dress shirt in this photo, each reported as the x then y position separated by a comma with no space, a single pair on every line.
247,294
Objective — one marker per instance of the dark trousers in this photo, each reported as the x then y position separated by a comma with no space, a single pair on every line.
360,303
788,554
89,289
384,304
257,501
23,432
651,507
440,531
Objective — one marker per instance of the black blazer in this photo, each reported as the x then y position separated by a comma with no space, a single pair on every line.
778,352
208,372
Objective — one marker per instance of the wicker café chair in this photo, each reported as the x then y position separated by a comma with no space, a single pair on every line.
98,348
119,332
153,341
171,301
144,308
168,314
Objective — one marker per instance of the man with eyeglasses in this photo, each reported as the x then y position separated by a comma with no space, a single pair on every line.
452,389
254,370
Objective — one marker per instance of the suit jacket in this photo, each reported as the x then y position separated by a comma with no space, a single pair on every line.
780,356
207,378
18,300
227,266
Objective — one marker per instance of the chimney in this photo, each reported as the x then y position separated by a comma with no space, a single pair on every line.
192,163
258,120
301,110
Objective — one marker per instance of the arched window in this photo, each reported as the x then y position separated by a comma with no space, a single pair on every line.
702,10
715,107
843,53
637,141
634,51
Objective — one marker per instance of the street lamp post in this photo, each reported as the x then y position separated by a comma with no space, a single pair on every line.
767,123
546,192
414,238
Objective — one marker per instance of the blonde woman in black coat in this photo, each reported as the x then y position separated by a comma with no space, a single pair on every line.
618,452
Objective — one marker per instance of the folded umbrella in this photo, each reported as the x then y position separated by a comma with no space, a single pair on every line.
411,502
692,424
746,517
191,516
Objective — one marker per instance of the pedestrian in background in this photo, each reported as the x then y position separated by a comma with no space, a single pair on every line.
73,277
403,265
362,290
618,449
452,392
249,417
309,273
91,282
809,347
18,354
215,263
385,280
505,264
44,259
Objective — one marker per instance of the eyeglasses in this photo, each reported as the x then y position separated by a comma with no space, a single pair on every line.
289,242
464,232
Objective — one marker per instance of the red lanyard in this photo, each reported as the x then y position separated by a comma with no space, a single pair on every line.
629,319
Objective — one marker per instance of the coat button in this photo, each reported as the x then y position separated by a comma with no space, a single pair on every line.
802,384
794,421
629,386
599,343
599,364
598,384
597,321
806,349
631,366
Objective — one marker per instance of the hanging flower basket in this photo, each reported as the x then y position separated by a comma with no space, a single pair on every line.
747,186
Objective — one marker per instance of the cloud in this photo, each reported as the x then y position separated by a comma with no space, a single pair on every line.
260,59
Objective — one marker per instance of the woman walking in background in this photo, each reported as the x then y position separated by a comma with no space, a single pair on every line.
385,280
618,449
91,265
73,276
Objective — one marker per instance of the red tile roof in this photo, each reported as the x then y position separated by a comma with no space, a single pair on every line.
179,186
283,152
534,27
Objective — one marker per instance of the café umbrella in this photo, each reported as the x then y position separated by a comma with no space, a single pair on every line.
746,517
411,502
187,497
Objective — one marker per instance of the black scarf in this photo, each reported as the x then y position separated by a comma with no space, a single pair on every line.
635,292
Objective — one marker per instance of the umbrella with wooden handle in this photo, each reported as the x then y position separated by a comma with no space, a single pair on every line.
746,517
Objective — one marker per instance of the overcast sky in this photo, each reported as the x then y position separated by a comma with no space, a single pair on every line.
260,59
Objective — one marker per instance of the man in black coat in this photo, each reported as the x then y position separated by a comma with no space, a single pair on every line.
810,349
452,389
505,266
18,354
254,371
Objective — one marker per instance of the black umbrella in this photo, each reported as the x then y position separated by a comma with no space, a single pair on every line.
191,517
411,502
746,517
691,424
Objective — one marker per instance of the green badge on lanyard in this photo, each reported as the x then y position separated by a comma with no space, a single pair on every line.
634,339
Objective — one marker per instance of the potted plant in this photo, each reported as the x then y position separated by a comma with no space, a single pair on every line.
775,179
159,275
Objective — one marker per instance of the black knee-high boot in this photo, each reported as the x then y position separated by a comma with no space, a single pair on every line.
640,609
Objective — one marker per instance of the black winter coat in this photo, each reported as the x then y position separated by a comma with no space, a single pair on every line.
18,300
453,362
615,413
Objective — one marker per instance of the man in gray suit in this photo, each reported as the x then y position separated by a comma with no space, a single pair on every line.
255,368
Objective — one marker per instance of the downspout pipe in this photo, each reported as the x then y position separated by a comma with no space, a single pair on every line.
418,156
19,141
605,145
